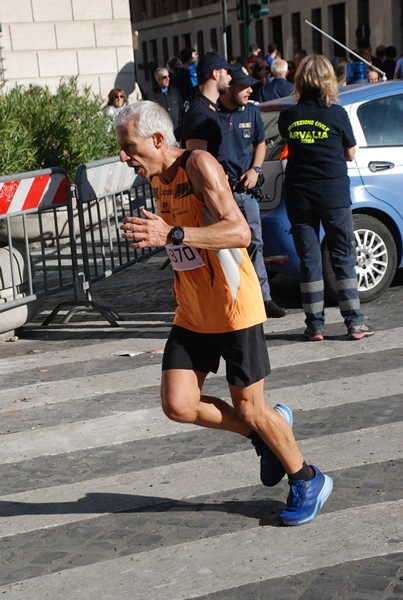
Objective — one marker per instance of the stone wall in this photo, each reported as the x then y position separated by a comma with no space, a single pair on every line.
44,40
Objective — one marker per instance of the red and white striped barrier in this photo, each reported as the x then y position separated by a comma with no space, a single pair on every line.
42,191
102,177
37,226
39,210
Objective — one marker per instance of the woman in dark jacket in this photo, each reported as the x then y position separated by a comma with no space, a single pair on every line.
321,140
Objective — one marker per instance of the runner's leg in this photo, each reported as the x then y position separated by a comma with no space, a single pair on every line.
252,409
183,401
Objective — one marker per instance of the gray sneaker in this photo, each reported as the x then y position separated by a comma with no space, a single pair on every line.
357,332
314,335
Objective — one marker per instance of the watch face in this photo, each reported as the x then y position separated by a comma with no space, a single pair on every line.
177,235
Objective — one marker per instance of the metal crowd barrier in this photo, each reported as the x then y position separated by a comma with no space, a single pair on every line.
60,238
107,191
37,243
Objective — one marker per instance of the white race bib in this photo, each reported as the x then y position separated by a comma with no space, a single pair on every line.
184,258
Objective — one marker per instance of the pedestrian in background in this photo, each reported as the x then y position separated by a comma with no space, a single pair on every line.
192,69
260,72
278,86
220,309
389,61
254,54
246,149
182,79
173,64
272,53
340,70
317,186
377,60
168,97
298,56
372,75
117,99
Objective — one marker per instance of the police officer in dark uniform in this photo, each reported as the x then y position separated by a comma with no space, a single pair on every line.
201,127
246,147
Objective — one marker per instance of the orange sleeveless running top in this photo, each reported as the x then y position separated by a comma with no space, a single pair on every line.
218,290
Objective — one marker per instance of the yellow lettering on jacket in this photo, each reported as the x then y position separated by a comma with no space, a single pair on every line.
308,136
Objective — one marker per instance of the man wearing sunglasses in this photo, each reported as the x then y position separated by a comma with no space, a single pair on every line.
168,97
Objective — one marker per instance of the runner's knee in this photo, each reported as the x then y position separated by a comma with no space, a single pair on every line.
178,410
246,412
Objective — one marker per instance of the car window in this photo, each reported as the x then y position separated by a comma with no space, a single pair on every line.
382,121
274,142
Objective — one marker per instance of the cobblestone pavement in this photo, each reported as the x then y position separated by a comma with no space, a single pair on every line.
103,497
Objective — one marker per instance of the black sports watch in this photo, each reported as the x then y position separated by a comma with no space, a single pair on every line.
257,169
177,235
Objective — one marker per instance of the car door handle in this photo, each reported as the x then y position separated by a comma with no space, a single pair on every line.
379,165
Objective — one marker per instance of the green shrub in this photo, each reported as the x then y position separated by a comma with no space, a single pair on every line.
40,129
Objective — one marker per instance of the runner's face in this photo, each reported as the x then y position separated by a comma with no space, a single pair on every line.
139,153
223,81
239,94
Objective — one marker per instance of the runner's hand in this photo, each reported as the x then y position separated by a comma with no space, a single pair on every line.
150,232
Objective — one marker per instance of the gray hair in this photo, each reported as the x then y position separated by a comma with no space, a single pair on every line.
158,71
279,67
148,118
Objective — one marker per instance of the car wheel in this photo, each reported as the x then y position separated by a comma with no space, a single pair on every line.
376,259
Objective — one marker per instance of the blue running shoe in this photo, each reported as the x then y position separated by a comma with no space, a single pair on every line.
271,469
285,412
306,498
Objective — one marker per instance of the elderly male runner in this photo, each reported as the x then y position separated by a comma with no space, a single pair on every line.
220,307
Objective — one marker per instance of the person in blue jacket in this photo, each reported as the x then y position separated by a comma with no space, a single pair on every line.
278,86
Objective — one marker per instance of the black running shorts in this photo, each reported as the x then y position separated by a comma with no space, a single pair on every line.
244,352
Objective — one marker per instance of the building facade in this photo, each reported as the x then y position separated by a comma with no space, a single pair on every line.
114,42
44,40
166,27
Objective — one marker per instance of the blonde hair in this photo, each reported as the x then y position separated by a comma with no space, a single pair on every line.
315,75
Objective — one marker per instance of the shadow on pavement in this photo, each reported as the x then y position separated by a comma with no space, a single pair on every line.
98,503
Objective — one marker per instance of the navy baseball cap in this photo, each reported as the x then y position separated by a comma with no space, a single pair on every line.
209,62
241,75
